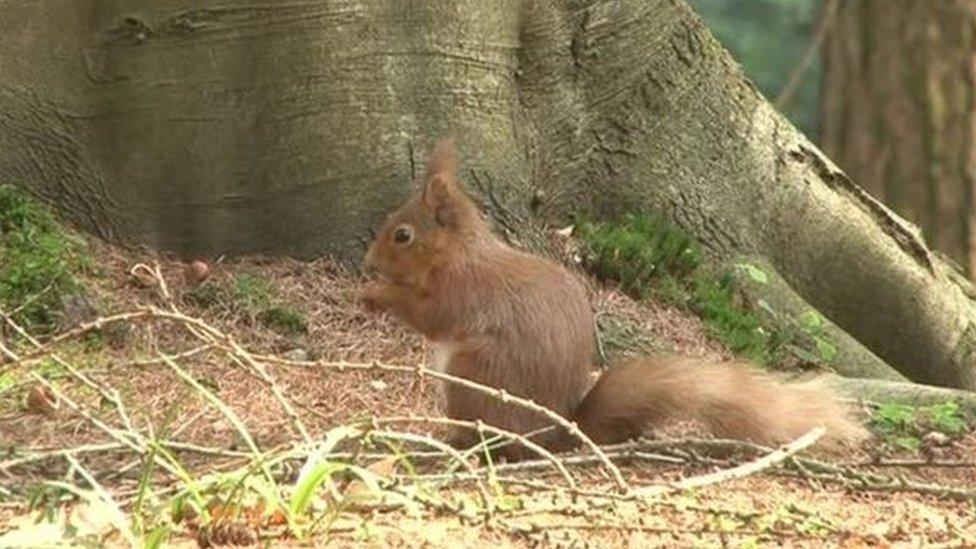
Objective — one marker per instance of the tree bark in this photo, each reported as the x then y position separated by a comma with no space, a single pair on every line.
295,127
206,127
899,111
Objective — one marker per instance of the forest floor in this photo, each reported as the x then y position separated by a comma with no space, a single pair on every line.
271,361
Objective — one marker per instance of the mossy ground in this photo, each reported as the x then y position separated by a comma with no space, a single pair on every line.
652,259
39,261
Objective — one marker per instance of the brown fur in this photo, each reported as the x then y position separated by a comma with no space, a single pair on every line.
515,321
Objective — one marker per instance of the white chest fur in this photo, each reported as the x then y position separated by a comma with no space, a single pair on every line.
440,354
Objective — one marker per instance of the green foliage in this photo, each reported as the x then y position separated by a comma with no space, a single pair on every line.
769,38
737,328
756,274
948,418
157,537
903,425
892,417
38,261
7,382
284,318
644,253
318,470
811,327
251,292
653,259
253,296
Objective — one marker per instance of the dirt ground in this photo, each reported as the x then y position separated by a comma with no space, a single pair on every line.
775,507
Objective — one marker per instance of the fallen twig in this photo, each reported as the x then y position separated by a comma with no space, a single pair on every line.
547,456
769,460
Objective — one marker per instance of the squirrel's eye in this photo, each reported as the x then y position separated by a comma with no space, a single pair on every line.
403,235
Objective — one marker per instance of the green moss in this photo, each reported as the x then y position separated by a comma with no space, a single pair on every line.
8,381
737,328
253,296
284,319
653,259
892,417
252,292
646,255
39,261
947,418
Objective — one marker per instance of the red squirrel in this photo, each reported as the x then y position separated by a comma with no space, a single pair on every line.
514,321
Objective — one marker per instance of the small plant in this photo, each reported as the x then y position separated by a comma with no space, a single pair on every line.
903,425
38,261
948,418
8,384
251,292
254,296
892,418
738,329
811,325
284,318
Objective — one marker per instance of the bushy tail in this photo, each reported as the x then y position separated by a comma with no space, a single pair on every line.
732,400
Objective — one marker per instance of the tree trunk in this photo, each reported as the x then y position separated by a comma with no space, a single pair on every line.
899,111
295,127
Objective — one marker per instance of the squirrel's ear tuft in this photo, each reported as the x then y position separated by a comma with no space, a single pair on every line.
441,194
443,160
441,199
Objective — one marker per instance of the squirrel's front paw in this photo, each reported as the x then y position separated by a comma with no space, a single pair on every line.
371,298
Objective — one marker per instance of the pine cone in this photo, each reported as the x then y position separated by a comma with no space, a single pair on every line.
234,534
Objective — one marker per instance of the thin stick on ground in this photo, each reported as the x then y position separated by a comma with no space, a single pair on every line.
750,468
82,329
846,476
227,412
117,516
547,456
208,333
448,449
38,456
131,439
810,468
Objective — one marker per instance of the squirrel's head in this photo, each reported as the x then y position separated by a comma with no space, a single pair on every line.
431,228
